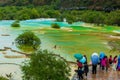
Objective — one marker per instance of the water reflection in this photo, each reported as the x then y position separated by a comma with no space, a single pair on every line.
27,48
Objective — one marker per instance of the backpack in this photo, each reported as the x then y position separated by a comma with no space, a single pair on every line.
79,64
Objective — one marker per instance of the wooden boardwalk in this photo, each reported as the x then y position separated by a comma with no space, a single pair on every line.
101,75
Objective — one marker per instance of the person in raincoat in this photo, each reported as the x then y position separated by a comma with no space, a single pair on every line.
103,63
78,56
94,59
85,58
114,63
118,64
107,63
80,73
86,69
102,55
79,64
110,60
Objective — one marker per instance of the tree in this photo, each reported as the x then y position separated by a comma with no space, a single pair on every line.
53,13
28,39
44,65
34,13
23,14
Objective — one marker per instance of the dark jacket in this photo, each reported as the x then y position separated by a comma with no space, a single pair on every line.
86,68
80,72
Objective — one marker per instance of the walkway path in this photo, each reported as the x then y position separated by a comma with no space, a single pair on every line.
101,75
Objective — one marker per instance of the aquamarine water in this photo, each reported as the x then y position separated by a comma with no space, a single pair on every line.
47,43
38,23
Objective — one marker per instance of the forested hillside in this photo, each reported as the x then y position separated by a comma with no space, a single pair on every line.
90,4
92,11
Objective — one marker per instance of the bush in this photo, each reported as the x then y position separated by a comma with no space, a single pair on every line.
28,39
3,78
15,24
44,65
55,26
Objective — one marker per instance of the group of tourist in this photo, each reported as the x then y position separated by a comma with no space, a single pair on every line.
102,60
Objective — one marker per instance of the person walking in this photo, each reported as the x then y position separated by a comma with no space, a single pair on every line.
118,63
110,60
85,58
94,60
114,63
107,63
86,69
103,63
80,73
79,64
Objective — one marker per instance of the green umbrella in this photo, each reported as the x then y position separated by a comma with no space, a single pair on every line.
78,56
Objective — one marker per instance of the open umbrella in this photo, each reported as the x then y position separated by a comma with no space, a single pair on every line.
102,55
78,56
118,65
83,60
94,59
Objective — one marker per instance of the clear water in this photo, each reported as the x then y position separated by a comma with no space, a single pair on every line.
6,29
68,42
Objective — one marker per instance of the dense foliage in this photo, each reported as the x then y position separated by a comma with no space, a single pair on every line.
28,39
43,65
56,26
15,24
75,10
91,4
3,78
98,17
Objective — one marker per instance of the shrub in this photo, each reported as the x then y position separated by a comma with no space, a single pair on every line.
28,39
3,78
15,24
55,26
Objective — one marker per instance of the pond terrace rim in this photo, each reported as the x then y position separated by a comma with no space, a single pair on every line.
28,55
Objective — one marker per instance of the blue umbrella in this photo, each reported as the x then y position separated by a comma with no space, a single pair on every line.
78,56
118,65
83,60
95,54
102,55
94,59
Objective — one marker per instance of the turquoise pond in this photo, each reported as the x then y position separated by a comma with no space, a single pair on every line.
6,29
83,40
38,23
